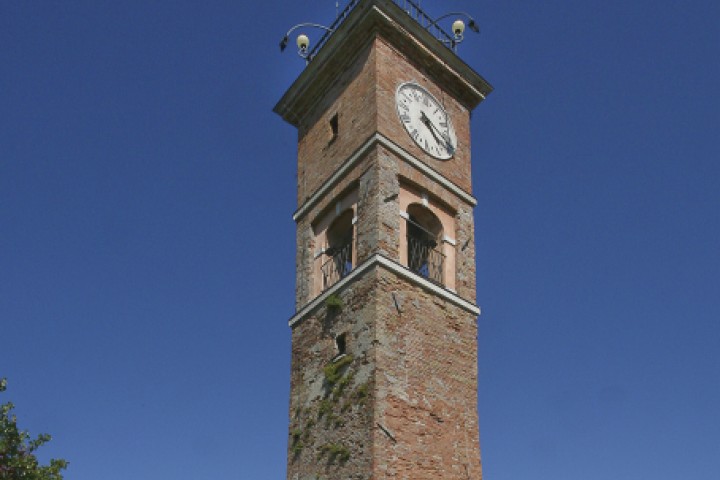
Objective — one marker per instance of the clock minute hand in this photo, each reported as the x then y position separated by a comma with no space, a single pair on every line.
431,126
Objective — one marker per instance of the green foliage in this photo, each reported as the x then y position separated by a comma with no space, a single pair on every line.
361,394
336,378
297,444
325,408
335,452
17,450
358,397
334,370
338,399
300,437
339,388
297,448
334,302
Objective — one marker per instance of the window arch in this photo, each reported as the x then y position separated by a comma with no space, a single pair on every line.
424,236
337,259
427,235
334,253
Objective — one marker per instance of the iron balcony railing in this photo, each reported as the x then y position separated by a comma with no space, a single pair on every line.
424,255
410,7
339,265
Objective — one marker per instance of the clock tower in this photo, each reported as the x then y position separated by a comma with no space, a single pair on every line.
384,337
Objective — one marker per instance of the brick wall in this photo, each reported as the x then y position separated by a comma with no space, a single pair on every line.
426,386
408,406
393,69
352,98
331,434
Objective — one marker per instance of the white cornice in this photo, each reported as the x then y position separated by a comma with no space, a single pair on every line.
379,260
323,296
334,178
387,143
360,153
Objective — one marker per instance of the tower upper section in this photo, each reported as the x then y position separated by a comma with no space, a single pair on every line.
347,93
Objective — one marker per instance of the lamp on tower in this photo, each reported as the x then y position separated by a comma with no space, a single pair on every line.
302,40
458,26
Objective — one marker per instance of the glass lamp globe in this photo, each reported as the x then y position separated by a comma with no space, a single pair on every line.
303,41
458,27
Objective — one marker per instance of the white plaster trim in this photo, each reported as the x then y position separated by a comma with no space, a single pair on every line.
360,153
338,356
404,215
449,240
334,178
319,253
426,170
354,220
399,270
406,273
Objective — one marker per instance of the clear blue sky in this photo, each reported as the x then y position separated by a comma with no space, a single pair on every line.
147,245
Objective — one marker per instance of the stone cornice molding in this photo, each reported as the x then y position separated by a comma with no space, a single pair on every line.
359,154
378,260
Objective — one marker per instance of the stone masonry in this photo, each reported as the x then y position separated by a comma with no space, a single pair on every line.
400,401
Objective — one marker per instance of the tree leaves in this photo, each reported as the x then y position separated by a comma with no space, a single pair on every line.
17,458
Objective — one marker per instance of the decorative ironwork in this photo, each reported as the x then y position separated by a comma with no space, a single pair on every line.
418,14
410,7
339,265
424,255
334,26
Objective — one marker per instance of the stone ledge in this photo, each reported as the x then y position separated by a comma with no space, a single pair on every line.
400,270
359,154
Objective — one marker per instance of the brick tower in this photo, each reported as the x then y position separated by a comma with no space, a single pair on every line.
384,349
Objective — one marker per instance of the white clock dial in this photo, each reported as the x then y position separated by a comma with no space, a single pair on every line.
425,119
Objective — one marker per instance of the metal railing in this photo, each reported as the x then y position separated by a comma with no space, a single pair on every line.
334,26
424,255
339,265
418,14
410,7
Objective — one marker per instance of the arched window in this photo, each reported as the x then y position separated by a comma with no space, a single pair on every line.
424,243
338,257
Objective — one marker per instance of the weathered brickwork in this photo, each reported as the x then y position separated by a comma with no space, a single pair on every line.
334,417
408,410
364,101
426,386
352,99
378,177
395,171
306,244
400,403
393,69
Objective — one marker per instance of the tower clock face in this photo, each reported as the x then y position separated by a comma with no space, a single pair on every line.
426,120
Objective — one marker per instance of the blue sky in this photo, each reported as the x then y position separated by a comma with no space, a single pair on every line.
147,245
